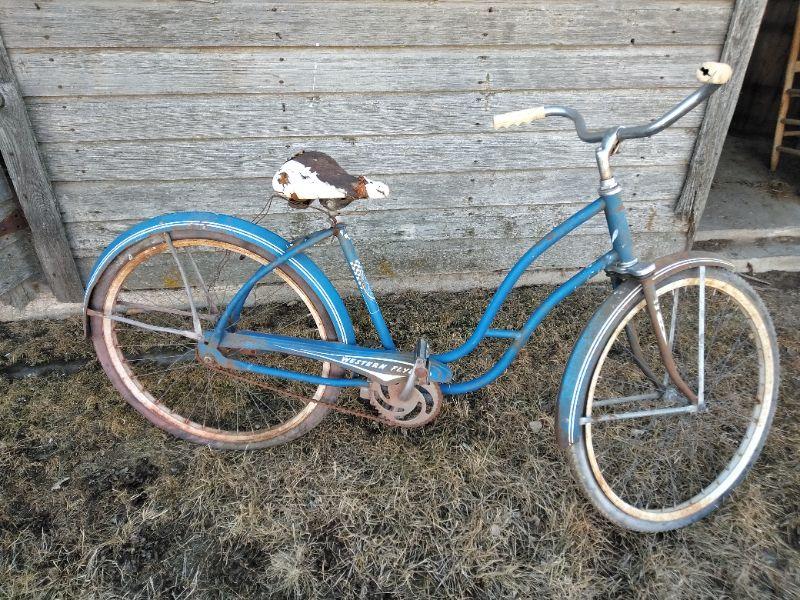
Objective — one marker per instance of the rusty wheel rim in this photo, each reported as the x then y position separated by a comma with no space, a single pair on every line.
174,421
759,415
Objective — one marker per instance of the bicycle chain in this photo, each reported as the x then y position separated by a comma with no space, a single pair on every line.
332,405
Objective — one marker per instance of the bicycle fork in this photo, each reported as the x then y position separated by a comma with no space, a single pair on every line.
629,266
664,349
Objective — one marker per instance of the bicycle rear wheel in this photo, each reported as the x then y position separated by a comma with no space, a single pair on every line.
655,471
160,374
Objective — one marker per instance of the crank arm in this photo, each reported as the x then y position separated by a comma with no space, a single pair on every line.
419,371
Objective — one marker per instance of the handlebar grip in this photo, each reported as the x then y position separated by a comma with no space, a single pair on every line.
714,72
518,117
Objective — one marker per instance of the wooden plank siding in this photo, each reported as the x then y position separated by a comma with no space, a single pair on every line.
23,162
89,200
145,107
197,159
356,23
738,47
489,223
17,257
88,119
318,70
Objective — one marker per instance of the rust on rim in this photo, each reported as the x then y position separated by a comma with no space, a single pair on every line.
172,420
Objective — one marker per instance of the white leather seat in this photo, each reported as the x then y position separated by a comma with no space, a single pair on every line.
311,175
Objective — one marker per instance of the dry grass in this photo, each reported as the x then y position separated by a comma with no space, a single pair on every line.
94,502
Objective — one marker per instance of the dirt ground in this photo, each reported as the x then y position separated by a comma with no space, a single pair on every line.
97,503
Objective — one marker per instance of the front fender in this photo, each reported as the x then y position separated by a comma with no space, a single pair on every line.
245,230
577,373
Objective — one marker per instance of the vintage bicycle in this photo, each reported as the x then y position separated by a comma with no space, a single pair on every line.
223,333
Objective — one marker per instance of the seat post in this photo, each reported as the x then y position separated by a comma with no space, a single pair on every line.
360,277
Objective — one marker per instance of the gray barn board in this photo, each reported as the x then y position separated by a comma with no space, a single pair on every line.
738,48
29,176
18,261
144,107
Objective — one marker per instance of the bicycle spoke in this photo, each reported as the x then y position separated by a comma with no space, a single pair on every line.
169,369
638,414
626,399
136,307
701,338
162,357
672,328
195,319
653,448
158,347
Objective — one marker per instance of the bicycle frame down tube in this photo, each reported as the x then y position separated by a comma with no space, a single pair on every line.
572,223
564,290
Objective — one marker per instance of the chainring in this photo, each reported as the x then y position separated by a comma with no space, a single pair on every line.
422,405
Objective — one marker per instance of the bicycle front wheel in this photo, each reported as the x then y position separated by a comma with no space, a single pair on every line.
647,458
160,374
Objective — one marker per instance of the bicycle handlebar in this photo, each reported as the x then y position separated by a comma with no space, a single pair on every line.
712,74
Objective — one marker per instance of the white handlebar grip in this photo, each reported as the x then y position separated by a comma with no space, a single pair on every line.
518,117
714,72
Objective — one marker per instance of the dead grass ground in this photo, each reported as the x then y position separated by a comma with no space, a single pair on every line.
94,502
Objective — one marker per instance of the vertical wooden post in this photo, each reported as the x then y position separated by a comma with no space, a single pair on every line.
32,184
742,33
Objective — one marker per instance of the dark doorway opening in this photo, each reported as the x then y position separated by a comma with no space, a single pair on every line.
753,214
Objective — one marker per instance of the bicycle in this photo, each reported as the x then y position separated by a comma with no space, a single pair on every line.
223,333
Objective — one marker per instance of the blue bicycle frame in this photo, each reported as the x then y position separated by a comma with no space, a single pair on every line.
386,363
367,367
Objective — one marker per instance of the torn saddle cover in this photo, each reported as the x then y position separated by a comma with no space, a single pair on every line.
310,175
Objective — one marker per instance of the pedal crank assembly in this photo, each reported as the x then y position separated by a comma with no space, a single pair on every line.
409,403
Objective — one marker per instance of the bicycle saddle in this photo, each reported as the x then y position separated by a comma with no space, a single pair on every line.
310,175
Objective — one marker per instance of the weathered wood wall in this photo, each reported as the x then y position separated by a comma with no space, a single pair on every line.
142,107
18,261
34,192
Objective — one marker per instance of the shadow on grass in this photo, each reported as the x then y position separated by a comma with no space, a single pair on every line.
96,502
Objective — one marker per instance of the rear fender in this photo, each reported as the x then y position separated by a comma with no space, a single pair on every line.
244,230
577,373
